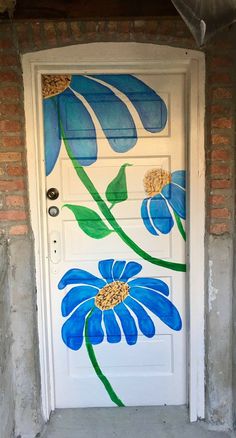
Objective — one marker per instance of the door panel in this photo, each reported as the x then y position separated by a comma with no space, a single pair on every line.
130,163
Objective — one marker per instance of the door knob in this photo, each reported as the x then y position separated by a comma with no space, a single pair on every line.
52,193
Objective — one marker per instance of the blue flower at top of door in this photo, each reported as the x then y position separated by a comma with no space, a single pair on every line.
100,301
71,103
165,191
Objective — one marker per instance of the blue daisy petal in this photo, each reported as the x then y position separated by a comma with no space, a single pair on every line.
159,305
146,218
105,269
145,323
112,327
131,269
72,329
75,297
118,268
113,115
128,323
176,198
179,177
95,331
151,108
78,128
79,276
160,214
52,138
151,283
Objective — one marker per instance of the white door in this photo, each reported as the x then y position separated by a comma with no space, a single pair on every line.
115,152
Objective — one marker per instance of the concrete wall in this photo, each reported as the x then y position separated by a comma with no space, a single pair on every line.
28,419
22,37
6,369
220,227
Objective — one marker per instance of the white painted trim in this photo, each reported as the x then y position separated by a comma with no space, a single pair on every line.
196,239
132,58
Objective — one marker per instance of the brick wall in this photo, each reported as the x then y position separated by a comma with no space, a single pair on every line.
220,136
21,37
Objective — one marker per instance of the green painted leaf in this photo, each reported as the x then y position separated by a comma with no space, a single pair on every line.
89,221
117,189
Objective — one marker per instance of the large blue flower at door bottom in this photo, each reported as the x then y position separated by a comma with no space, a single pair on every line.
166,192
116,302
71,103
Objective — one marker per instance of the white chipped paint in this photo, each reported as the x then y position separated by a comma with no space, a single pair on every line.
213,291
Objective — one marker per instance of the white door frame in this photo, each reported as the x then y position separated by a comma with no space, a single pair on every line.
129,58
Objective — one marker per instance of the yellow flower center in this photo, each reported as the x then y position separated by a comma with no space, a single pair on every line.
111,295
154,181
54,84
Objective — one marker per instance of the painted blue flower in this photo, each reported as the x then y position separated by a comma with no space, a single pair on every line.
71,101
115,301
165,192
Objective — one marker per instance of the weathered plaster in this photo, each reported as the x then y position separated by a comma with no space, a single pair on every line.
219,332
28,420
6,383
212,291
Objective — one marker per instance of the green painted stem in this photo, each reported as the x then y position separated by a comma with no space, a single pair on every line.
111,219
180,226
97,368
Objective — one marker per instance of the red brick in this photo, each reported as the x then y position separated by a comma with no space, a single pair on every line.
222,93
101,27
221,184
13,215
221,78
36,34
221,109
9,60
220,169
16,170
165,27
10,126
23,35
12,141
216,200
221,61
9,92
124,26
90,26
6,27
10,109
152,27
6,43
76,31
2,171
50,34
17,230
63,32
10,186
222,122
220,139
139,25
15,201
112,26
9,76
220,154
219,228
10,156
222,213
